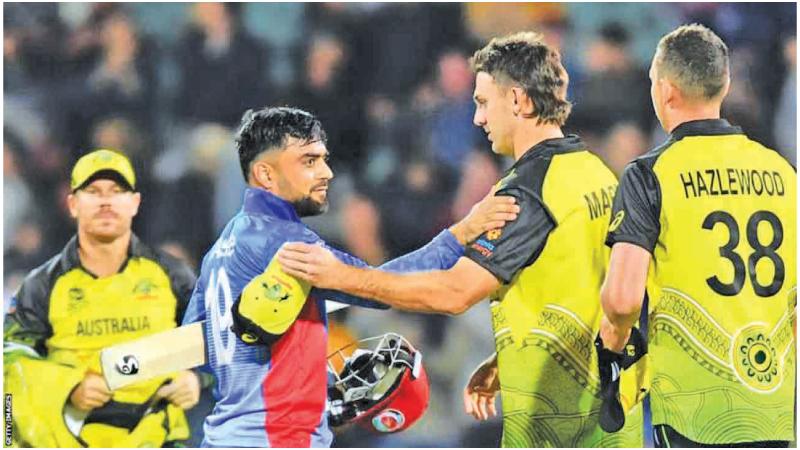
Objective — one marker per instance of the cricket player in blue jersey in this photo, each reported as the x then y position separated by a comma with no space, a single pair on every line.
266,332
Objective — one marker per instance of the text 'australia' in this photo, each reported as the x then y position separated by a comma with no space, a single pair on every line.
112,325
716,182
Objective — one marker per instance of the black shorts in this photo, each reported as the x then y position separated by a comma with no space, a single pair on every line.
665,436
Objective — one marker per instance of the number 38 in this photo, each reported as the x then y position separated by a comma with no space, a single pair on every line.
759,251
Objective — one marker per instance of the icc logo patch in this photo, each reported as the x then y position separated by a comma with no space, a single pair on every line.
388,421
128,365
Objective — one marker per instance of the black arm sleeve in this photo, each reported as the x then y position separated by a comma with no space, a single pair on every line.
637,207
506,251
182,281
26,325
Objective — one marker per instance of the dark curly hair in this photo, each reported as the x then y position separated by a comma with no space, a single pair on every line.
525,60
269,128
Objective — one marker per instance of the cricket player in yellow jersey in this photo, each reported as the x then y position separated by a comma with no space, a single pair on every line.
542,271
104,288
706,224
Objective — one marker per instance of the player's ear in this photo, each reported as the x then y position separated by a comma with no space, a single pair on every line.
263,174
137,200
670,93
72,204
725,88
523,104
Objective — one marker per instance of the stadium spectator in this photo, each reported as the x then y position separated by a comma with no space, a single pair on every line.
614,88
452,135
216,59
323,85
623,143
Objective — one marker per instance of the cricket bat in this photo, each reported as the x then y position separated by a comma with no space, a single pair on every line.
158,354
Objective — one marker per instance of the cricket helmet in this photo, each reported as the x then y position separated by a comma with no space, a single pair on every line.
382,386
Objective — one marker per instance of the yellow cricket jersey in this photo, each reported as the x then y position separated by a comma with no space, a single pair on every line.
63,315
546,315
718,213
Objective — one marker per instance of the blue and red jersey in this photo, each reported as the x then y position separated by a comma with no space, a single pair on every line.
275,396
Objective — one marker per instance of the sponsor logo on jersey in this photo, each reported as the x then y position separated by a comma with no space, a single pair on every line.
494,235
388,420
477,246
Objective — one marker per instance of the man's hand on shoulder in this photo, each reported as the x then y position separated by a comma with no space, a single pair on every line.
313,263
489,214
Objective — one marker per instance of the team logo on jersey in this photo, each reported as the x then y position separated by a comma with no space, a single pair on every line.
618,218
755,359
144,289
128,365
388,420
494,235
76,297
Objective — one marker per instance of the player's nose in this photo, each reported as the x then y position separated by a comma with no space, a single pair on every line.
327,172
479,119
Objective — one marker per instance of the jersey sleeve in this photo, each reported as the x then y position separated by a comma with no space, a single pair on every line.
506,251
636,209
440,254
27,326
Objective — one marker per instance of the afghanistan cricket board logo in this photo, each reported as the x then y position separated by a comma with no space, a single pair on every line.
388,421
128,365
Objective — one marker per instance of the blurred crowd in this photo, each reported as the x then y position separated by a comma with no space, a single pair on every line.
167,83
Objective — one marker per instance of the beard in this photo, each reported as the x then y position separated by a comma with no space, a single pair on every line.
307,207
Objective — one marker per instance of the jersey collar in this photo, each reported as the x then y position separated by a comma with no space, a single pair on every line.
552,146
260,201
704,127
71,260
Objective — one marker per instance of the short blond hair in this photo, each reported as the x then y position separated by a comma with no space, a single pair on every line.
695,59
